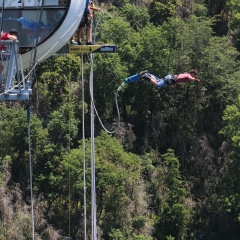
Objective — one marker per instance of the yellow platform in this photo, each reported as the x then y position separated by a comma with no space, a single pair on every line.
88,49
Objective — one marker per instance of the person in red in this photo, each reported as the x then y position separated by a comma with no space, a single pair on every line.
11,35
170,79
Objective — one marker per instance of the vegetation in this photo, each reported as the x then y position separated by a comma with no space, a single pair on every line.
171,169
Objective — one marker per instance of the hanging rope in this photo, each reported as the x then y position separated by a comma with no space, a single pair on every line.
93,180
93,109
91,92
84,157
30,167
33,61
93,176
118,113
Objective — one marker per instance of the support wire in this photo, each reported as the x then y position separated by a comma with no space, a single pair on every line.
94,220
93,176
30,167
84,157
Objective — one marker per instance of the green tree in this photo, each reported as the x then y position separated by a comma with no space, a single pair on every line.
161,10
168,196
58,79
137,16
120,192
62,130
232,16
224,203
14,140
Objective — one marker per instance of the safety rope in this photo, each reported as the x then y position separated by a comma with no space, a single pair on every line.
30,167
93,109
93,178
33,60
84,157
99,119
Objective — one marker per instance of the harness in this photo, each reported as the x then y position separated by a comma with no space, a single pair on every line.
170,81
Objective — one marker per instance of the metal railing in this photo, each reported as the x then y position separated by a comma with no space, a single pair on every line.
13,85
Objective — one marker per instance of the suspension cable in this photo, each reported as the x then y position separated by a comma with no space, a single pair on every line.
33,60
93,180
84,157
30,167
93,176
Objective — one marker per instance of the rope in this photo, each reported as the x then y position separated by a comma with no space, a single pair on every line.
30,167
118,114
93,109
84,158
91,90
93,178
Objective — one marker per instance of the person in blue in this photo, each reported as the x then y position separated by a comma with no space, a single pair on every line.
87,20
166,81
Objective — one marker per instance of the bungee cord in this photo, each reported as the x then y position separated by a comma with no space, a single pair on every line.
93,177
91,90
99,119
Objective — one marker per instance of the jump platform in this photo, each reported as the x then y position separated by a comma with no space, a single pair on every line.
77,49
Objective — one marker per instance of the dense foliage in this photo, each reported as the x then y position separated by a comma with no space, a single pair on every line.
171,169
